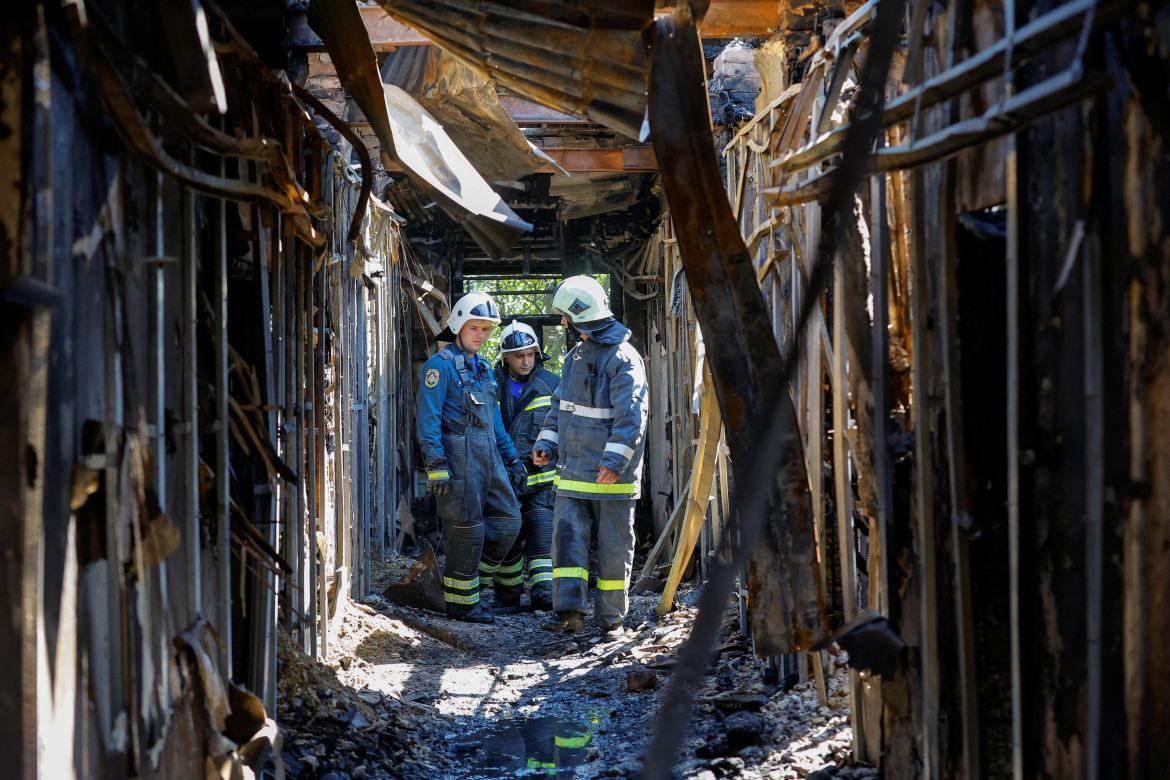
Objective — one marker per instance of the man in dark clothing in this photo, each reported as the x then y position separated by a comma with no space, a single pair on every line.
525,391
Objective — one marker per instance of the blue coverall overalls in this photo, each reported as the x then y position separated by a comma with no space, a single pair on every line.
461,434
523,417
597,418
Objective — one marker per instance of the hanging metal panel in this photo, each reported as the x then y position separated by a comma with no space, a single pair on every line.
410,135
467,107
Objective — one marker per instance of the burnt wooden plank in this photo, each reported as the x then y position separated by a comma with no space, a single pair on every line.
783,576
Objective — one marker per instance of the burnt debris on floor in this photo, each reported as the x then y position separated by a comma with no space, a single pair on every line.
898,271
466,702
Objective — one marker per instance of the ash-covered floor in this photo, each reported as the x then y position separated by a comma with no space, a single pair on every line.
409,694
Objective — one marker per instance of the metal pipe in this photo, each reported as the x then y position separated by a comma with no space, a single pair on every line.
189,394
219,295
1051,29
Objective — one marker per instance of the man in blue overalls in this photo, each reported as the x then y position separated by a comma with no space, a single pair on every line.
595,432
472,465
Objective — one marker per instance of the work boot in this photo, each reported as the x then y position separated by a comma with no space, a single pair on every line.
541,600
505,600
477,614
568,621
612,633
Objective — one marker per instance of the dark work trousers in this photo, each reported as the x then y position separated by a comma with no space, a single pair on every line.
480,514
572,522
533,547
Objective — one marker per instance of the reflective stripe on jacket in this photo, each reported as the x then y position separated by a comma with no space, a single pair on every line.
523,418
597,417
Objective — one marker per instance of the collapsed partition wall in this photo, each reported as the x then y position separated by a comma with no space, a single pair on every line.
204,371
977,390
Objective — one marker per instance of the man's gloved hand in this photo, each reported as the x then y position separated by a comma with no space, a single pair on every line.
543,453
438,478
517,472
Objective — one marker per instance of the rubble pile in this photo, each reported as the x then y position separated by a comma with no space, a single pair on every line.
407,693
334,732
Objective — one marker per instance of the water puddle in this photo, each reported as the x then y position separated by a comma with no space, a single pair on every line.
543,746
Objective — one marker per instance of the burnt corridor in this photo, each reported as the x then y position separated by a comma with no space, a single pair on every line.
896,273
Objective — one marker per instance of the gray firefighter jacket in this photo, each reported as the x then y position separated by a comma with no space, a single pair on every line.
523,418
598,417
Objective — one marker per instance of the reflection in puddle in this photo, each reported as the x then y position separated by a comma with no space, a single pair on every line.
545,746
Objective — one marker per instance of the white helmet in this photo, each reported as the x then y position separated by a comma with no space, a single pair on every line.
581,299
518,336
473,306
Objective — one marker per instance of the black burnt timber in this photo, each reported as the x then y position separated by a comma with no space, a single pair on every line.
747,369
355,224
676,74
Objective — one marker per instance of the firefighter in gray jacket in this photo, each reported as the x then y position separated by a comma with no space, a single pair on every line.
595,431
525,391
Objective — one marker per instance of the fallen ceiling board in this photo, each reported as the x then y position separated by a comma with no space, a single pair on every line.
466,105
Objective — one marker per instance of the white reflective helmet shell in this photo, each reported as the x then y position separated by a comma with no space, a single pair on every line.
518,336
473,306
581,299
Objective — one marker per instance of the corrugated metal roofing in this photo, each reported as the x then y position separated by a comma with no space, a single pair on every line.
584,57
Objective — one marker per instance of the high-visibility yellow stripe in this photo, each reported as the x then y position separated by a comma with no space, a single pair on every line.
611,584
572,742
518,579
571,571
512,568
595,487
537,563
452,598
438,475
594,412
451,582
488,568
544,576
541,478
539,402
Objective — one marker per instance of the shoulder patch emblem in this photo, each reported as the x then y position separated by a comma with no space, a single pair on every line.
432,377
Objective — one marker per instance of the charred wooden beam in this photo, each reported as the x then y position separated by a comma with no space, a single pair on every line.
783,570
771,477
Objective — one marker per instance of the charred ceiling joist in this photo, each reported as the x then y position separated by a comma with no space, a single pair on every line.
586,58
409,134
